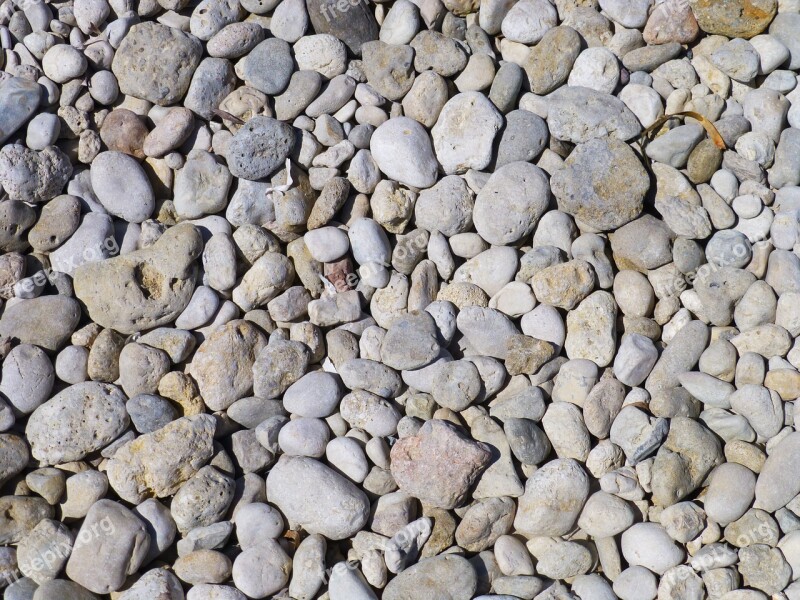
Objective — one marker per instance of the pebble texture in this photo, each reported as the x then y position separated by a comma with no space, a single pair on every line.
352,300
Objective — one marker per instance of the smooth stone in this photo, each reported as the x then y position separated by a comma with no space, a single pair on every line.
314,496
122,187
459,149
111,545
502,217
403,151
554,497
19,99
449,576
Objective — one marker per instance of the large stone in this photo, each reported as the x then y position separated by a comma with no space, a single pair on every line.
510,204
155,62
354,22
111,544
602,184
579,114
439,464
446,577
158,463
81,419
143,289
734,18
47,321
317,498
223,364
19,99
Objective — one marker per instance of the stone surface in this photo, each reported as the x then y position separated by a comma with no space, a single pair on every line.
317,498
161,78
439,464
602,184
156,464
143,289
79,420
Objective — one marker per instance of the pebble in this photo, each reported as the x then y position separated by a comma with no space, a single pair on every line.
99,285
50,168
53,430
162,79
574,115
261,570
588,190
520,211
108,170
447,574
268,67
314,496
440,449
553,512
19,99
113,533
648,545
403,151
392,269
141,468
458,149
548,69
259,148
